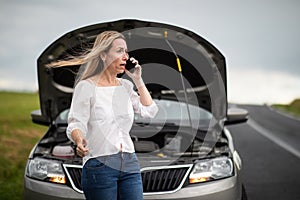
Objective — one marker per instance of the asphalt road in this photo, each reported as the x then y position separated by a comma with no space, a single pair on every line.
269,145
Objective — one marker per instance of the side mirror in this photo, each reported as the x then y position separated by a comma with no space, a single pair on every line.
236,115
38,118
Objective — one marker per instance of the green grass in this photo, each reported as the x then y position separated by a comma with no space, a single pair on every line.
17,137
292,108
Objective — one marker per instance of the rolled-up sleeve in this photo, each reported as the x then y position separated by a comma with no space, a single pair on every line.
80,108
145,111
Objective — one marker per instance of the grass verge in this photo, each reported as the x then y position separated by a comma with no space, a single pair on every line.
17,137
292,108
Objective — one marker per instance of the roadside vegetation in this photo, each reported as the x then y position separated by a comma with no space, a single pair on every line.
293,108
17,137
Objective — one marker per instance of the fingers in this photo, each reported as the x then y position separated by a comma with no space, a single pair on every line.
134,61
137,68
136,74
81,150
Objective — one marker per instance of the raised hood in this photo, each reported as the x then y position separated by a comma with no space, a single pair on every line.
203,66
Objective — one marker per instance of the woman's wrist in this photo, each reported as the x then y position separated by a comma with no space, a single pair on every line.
139,83
77,138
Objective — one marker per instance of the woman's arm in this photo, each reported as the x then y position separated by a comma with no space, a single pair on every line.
145,96
136,76
79,115
142,103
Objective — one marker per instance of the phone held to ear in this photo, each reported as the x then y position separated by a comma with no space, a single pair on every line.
129,65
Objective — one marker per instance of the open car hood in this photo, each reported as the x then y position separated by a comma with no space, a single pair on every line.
203,65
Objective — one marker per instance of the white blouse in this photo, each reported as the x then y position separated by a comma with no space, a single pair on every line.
105,116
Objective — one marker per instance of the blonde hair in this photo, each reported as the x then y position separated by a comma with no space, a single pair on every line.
92,64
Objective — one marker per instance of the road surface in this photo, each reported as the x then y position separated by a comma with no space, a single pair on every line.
269,144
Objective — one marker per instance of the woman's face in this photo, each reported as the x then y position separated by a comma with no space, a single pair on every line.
115,58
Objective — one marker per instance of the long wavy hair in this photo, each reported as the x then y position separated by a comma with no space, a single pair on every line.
90,61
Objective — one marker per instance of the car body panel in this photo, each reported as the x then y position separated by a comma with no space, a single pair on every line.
37,190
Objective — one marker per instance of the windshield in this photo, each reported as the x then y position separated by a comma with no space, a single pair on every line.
175,112
169,112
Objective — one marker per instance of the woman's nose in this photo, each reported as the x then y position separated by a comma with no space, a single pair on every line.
125,56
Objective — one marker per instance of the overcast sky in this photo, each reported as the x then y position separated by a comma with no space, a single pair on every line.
260,39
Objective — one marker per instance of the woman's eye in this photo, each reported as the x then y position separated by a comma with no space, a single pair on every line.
122,51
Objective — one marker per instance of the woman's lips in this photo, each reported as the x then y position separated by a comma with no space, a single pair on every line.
122,66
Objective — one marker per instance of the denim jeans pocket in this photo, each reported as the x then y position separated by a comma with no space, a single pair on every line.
96,163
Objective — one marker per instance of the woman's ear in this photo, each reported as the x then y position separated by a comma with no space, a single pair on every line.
103,56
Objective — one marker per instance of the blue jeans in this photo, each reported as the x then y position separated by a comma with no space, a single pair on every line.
112,177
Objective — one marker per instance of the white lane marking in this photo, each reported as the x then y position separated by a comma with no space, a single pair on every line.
268,134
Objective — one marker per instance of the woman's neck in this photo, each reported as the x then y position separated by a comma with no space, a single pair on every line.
107,79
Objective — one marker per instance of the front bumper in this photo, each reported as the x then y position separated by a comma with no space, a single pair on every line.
225,189
37,190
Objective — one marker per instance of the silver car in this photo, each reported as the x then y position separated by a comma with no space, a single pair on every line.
185,152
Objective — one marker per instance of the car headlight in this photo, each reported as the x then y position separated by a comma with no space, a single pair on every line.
46,170
211,169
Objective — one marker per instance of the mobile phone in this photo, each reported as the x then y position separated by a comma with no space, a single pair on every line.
129,65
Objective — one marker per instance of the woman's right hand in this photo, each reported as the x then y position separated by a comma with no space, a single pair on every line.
81,148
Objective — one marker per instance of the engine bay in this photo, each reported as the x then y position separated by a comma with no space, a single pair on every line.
167,144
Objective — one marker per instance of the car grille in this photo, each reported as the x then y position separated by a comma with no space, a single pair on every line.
165,179
74,175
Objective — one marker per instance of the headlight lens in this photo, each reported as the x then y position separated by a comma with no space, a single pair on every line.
211,169
46,170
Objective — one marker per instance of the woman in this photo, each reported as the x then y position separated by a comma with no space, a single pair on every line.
101,116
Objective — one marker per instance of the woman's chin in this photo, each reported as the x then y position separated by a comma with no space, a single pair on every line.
121,71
